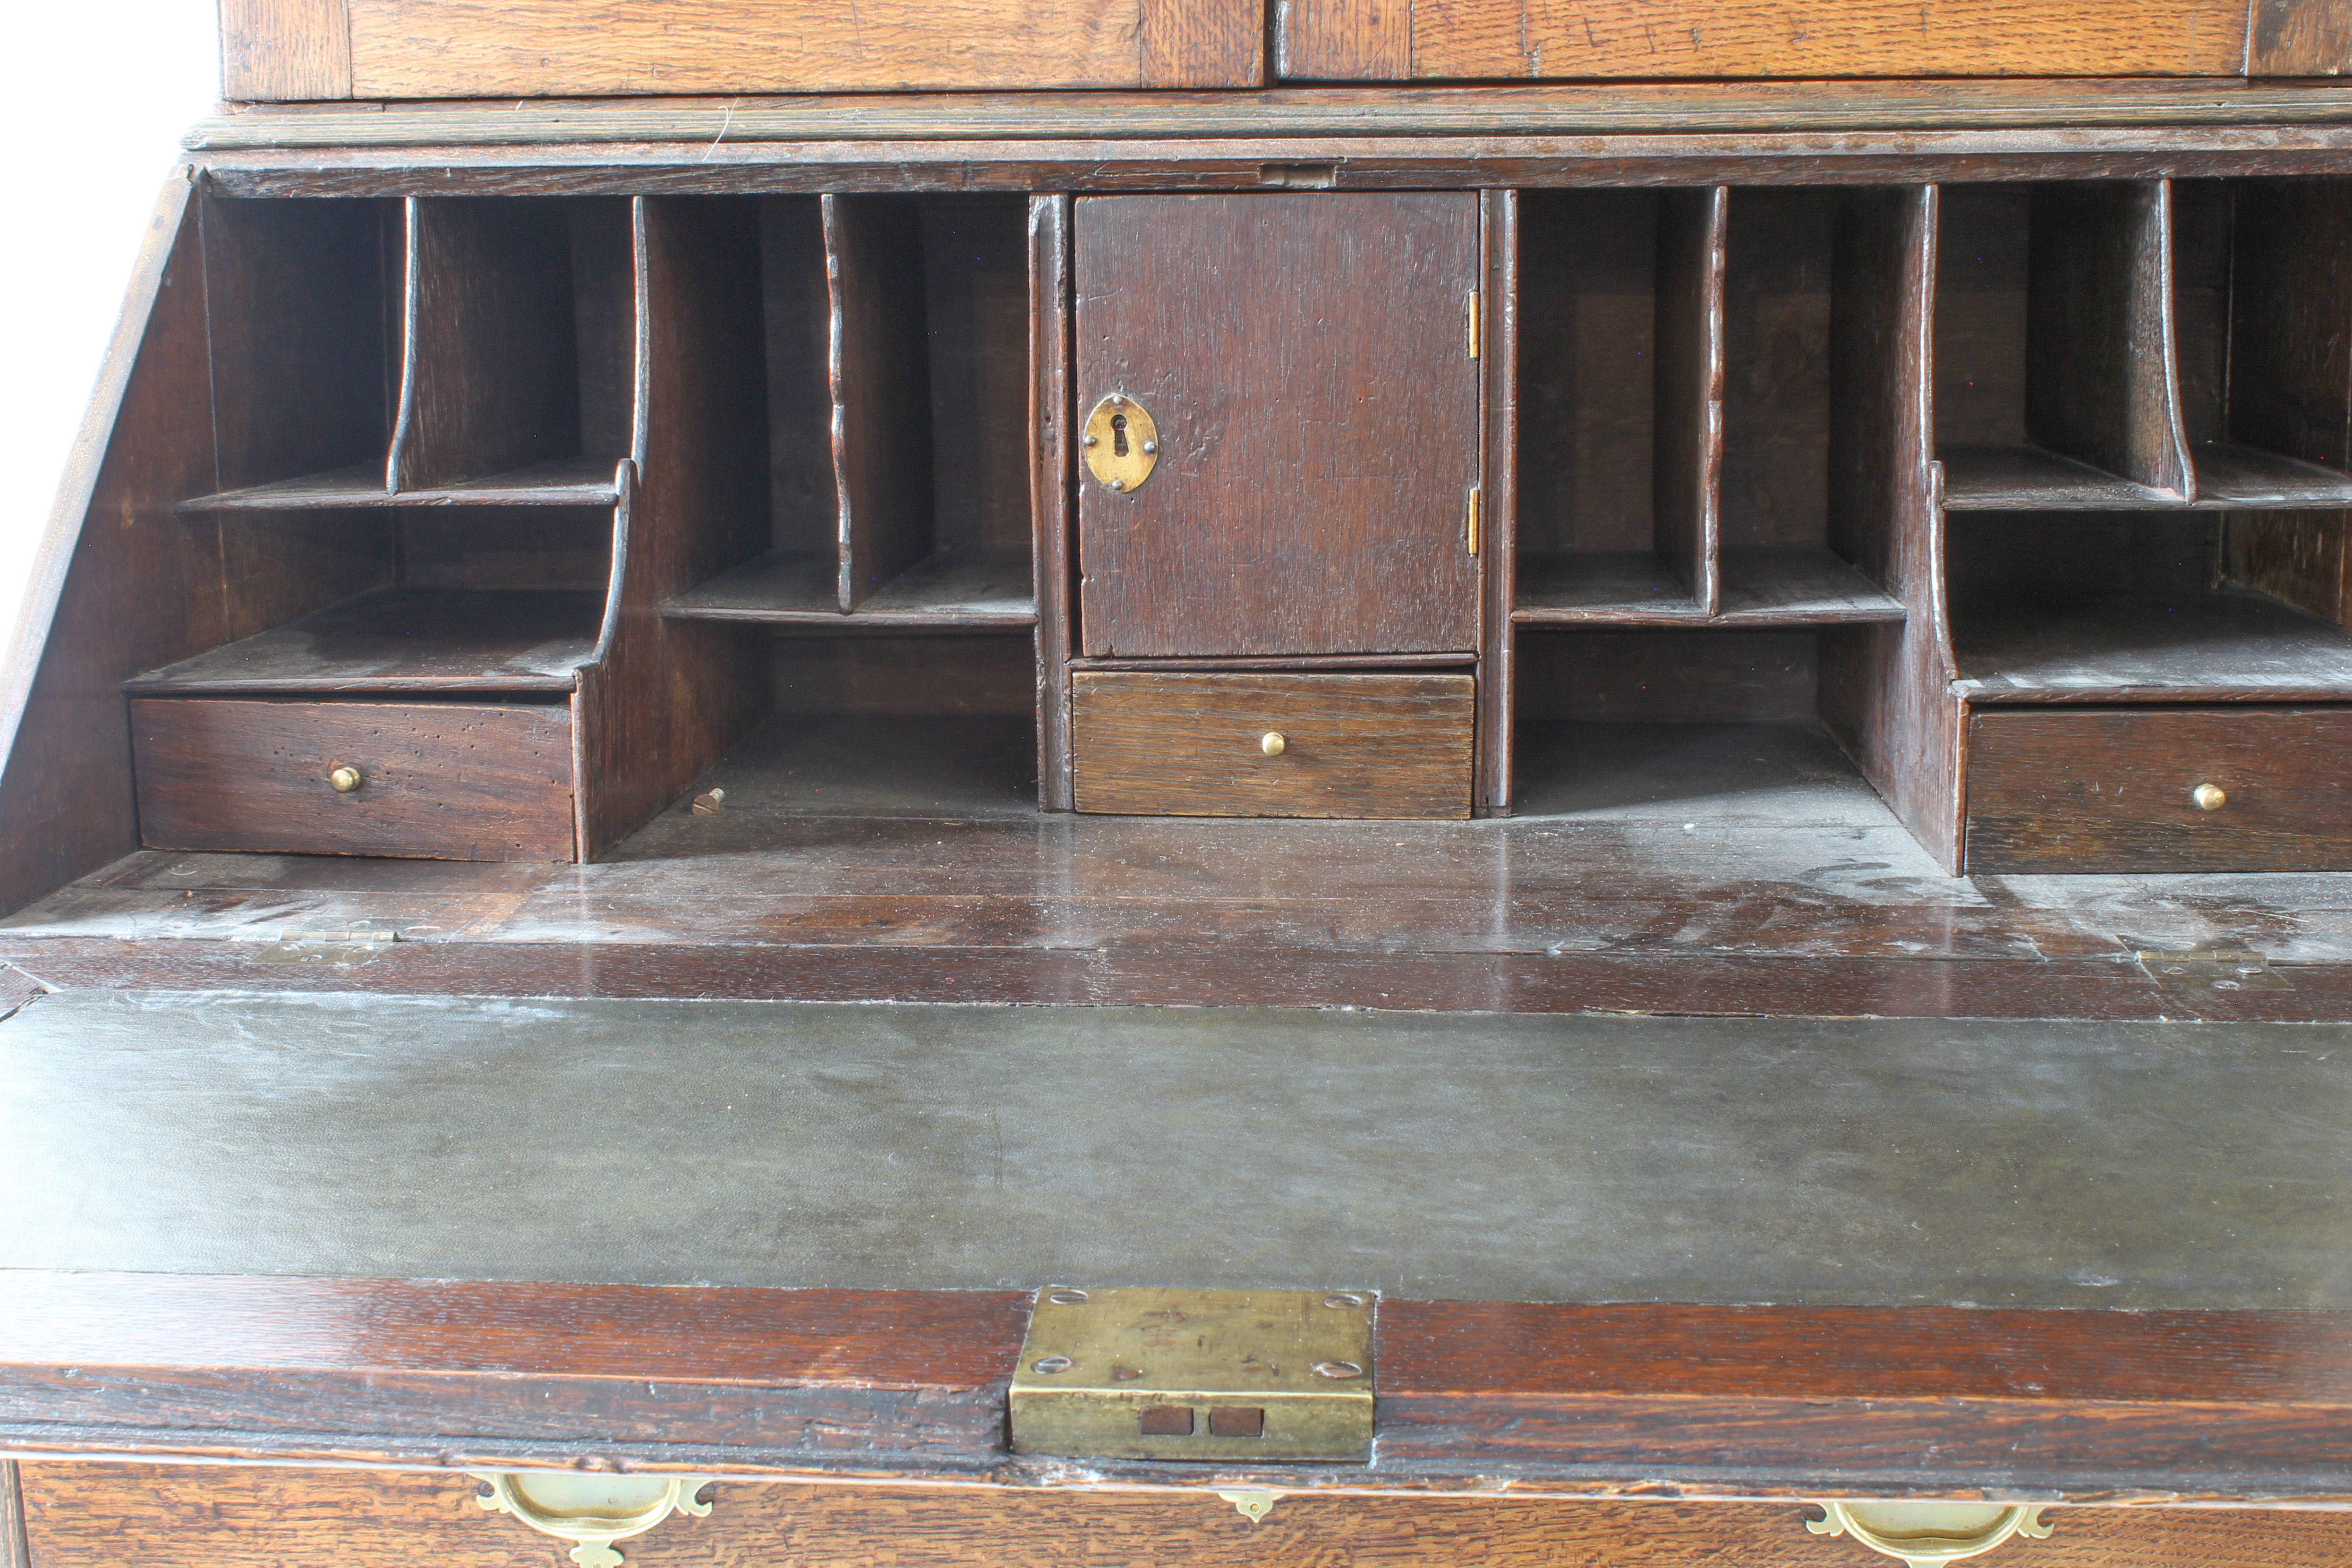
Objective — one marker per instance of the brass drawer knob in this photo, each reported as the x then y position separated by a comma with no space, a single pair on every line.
1274,743
2209,797
346,779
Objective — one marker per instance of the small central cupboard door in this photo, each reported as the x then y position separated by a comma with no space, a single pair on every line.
1306,364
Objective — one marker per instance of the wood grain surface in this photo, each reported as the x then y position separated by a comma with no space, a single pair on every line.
1353,40
2110,791
2299,37
1305,358
111,586
92,1515
302,311
728,125
14,1553
455,781
477,48
1356,745
285,50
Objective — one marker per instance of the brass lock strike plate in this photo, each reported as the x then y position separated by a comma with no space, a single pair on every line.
1137,1374
1121,443
2213,969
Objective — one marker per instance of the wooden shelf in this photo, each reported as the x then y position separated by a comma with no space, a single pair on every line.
403,639
1779,587
801,588
2229,479
1799,587
569,481
2246,479
2218,645
1631,588
2026,479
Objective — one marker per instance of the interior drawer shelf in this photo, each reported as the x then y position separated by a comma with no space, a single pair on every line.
566,482
403,639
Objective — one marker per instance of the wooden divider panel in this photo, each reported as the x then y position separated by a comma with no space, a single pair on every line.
2101,383
1687,426
490,382
1052,483
667,697
1884,687
880,374
1499,549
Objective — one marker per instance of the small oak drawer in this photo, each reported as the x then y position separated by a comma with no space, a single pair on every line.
2160,789
1271,745
448,781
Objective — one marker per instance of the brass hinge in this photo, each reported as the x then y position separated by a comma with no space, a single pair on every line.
1147,1374
1471,311
1470,529
2213,969
349,945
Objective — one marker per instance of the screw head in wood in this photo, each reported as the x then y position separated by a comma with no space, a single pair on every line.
1274,743
346,779
2209,797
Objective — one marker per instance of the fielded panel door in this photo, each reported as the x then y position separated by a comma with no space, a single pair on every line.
1307,362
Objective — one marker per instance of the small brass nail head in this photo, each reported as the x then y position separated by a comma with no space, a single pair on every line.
1274,743
346,779
2209,797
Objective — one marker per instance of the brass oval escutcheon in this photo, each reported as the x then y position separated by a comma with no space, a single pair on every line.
1121,443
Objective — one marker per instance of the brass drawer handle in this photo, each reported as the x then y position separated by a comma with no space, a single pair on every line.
1930,1534
591,1511
1274,743
346,779
2209,797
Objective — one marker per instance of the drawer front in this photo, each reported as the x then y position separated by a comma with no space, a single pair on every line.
186,1516
1194,745
1337,39
2117,790
446,780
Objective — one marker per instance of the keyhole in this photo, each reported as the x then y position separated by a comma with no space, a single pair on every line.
1119,435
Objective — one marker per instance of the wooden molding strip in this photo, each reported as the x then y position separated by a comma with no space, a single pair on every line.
1683,1400
1684,110
1690,984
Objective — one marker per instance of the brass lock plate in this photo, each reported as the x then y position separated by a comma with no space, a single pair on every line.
1151,1374
1121,443
2213,969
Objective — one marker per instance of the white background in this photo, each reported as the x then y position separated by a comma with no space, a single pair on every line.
92,118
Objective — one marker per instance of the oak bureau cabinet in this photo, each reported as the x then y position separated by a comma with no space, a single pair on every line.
1266,783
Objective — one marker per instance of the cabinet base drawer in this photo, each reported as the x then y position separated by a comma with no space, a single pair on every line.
2160,789
1271,745
446,781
